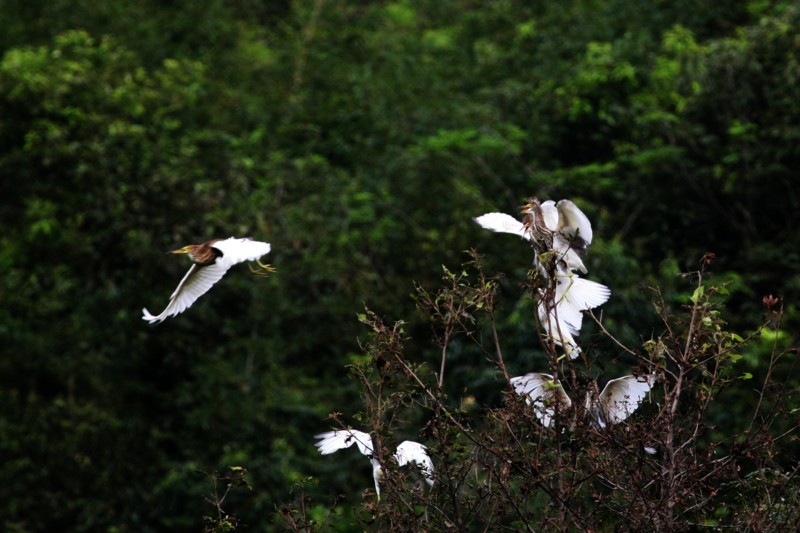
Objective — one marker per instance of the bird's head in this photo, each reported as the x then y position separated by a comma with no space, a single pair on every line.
184,250
528,208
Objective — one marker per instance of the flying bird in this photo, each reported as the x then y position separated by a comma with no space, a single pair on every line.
211,260
407,452
619,398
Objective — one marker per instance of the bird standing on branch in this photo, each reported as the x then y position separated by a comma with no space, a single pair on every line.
211,260
550,227
619,398
558,232
407,452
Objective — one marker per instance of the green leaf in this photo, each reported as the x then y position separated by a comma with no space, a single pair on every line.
698,293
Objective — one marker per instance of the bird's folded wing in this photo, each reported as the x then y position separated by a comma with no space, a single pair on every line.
572,222
197,281
502,223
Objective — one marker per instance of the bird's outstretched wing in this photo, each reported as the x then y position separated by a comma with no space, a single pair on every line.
502,223
413,452
197,281
236,250
574,294
621,397
333,441
542,392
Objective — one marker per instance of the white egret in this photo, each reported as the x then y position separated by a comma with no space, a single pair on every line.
407,452
619,398
211,260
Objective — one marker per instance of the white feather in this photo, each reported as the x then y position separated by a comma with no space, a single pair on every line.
407,451
413,452
333,441
621,397
572,222
502,223
557,329
542,392
199,279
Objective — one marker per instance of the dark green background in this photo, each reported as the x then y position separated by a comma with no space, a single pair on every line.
359,138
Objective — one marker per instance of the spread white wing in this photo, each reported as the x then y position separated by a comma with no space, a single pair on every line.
502,223
199,279
574,294
562,317
542,392
621,397
413,452
333,441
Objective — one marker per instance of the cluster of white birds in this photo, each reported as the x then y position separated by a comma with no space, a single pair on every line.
620,398
210,261
559,233
407,452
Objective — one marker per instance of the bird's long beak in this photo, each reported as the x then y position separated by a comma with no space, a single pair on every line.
527,208
183,250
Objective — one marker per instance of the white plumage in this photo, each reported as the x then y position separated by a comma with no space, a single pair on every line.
620,397
561,316
543,393
558,232
503,223
200,278
407,452
569,226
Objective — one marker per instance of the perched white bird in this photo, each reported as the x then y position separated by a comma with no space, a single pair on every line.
619,398
210,262
558,233
560,313
407,452
558,227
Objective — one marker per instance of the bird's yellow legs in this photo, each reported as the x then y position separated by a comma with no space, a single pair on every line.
265,269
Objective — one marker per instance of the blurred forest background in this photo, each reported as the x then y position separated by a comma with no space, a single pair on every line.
359,138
